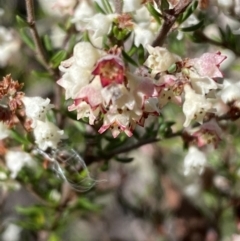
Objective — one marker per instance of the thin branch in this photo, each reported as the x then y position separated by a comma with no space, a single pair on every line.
223,44
170,17
124,149
36,39
118,4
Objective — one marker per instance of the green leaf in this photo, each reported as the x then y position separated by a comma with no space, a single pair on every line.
85,37
27,39
128,59
47,42
98,8
22,23
190,9
86,204
124,159
58,57
29,211
193,27
141,54
132,51
164,5
172,69
19,137
154,13
107,6
40,74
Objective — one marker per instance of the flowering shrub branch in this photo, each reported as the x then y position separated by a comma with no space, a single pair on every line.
130,82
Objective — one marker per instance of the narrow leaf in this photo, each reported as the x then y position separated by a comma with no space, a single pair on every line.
21,22
26,38
154,13
193,27
58,58
128,59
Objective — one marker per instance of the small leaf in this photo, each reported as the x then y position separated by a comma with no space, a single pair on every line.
193,27
141,54
86,204
124,159
18,137
154,13
85,37
21,22
107,6
47,42
129,59
26,39
98,8
58,58
190,9
132,51
40,74
164,5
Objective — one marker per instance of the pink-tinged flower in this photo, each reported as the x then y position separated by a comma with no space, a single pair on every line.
110,69
90,93
195,106
85,110
88,101
208,133
118,121
207,65
170,90
73,80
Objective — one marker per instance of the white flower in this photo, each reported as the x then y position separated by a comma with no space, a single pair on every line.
16,160
160,59
202,85
77,70
4,132
230,93
131,5
194,161
100,24
142,36
85,55
36,108
47,135
9,46
11,233
195,106
58,7
82,13
73,80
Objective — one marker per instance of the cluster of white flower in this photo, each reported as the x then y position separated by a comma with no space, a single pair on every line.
132,16
47,134
102,86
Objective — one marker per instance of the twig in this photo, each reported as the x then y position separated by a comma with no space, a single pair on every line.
36,39
124,149
222,44
170,17
118,4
